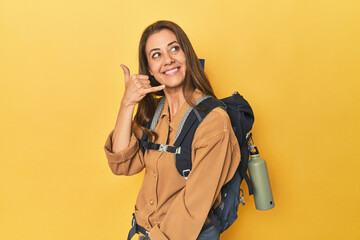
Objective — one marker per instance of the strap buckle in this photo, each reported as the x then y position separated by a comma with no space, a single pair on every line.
186,173
178,150
163,148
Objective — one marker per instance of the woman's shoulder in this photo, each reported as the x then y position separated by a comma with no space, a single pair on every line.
216,123
218,118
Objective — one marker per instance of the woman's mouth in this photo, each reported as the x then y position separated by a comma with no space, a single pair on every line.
171,71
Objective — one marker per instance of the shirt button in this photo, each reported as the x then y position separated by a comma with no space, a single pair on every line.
154,174
151,202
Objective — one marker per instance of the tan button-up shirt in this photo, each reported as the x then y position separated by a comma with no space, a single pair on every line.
169,206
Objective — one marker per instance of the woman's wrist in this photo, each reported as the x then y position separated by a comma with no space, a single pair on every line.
126,105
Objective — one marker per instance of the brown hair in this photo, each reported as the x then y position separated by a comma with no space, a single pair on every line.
194,77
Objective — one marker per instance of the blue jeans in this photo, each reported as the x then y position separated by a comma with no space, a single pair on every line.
209,234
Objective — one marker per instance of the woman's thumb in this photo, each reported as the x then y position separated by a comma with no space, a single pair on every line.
126,72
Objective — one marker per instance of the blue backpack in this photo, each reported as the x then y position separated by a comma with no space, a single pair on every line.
242,119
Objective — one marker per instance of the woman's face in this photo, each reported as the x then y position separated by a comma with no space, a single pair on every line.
167,62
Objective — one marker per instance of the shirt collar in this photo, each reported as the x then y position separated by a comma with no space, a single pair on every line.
177,119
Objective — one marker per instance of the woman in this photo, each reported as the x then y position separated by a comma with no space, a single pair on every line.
168,205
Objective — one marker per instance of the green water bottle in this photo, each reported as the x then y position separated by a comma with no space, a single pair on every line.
260,179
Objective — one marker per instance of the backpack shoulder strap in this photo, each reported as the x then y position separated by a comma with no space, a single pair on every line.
157,114
185,123
143,142
186,131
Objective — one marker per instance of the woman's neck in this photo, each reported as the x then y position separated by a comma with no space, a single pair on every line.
176,99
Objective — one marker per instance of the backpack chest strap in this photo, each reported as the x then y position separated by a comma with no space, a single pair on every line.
160,147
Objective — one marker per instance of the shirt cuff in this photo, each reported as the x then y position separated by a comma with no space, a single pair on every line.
156,234
125,154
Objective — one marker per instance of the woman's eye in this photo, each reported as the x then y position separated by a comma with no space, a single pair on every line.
155,55
175,48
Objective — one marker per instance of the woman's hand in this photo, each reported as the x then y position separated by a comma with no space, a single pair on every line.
136,87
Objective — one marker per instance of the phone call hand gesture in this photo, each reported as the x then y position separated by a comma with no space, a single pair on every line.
136,87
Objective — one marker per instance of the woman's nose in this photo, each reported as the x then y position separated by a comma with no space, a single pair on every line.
168,59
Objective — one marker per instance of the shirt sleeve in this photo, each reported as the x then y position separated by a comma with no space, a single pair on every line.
128,161
216,155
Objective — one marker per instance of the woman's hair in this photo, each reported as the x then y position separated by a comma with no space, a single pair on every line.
194,77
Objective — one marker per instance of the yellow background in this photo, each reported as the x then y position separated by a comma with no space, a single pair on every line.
296,62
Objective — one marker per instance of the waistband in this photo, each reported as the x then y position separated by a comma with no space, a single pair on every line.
138,229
